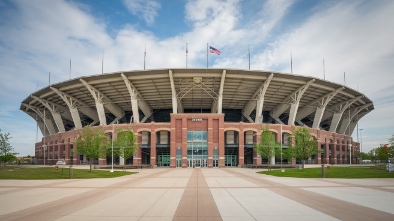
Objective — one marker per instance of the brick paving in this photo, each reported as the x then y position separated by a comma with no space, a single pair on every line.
197,194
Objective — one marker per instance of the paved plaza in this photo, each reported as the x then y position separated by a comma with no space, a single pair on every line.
197,194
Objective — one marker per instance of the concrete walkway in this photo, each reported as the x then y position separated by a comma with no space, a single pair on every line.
197,194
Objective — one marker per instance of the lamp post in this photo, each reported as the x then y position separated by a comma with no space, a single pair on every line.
112,161
361,144
281,159
45,147
350,152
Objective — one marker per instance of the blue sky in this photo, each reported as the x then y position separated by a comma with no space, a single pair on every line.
41,36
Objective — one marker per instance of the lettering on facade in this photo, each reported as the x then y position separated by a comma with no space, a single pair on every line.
197,119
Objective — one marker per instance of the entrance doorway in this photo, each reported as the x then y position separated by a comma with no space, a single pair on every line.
197,149
230,160
163,157
197,163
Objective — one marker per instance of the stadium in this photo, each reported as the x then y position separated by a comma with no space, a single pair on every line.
197,117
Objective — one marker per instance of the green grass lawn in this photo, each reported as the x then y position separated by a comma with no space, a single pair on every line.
334,172
48,173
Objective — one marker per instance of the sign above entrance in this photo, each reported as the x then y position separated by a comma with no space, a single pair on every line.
197,119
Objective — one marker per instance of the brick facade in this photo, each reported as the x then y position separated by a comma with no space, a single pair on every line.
335,146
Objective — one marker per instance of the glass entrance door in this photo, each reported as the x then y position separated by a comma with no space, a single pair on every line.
197,149
197,163
230,160
215,163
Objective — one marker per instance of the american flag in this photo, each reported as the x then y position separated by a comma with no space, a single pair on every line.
214,50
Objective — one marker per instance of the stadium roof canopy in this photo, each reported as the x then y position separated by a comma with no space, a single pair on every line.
259,96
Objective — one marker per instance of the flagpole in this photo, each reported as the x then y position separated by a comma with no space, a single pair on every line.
102,63
44,137
49,78
344,77
207,55
291,62
144,56
69,74
324,70
249,56
37,128
186,55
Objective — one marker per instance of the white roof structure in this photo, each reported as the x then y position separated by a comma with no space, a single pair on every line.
255,96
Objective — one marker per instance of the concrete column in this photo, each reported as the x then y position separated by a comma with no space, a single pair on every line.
42,127
318,116
293,113
59,122
344,125
134,107
76,119
101,113
220,97
49,126
259,110
335,121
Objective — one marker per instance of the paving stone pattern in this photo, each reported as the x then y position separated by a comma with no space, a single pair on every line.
197,194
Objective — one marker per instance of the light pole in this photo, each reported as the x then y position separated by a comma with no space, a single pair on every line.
281,159
350,152
361,144
112,161
45,147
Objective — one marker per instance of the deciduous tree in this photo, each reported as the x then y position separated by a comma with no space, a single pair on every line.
7,153
304,146
267,145
125,143
92,142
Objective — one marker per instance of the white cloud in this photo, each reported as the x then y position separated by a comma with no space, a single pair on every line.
352,37
41,36
146,9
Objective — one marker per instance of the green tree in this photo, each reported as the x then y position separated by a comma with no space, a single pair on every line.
304,146
92,142
384,153
7,153
381,153
372,154
267,145
125,143
365,156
